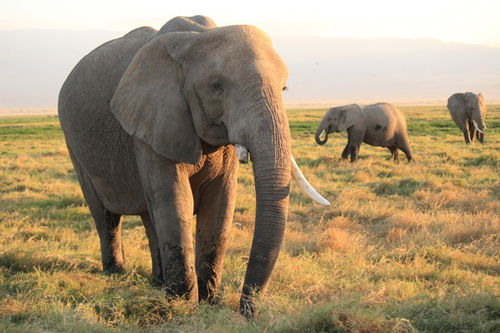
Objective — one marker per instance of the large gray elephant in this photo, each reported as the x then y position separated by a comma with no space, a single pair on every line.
468,111
379,124
151,121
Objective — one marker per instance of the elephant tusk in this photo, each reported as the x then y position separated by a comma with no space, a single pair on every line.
304,184
475,125
323,132
242,153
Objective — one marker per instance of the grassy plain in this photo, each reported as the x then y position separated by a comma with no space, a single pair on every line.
402,248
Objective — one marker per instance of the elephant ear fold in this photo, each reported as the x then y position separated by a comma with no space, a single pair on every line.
456,106
351,115
482,103
481,113
149,102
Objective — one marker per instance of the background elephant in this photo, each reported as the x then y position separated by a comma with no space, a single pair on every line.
468,111
379,124
151,120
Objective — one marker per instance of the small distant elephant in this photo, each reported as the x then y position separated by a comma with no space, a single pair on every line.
468,111
155,123
379,124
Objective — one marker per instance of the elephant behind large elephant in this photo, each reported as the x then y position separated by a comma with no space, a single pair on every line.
379,124
151,121
468,111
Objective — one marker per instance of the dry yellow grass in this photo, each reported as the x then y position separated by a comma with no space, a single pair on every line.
403,247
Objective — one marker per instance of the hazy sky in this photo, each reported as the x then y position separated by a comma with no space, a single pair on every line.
472,21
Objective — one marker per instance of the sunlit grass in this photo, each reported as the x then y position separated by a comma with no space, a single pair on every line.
404,247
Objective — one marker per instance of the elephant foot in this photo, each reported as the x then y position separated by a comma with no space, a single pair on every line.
114,269
157,282
212,298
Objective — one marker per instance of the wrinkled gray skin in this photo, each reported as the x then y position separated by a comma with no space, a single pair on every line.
379,124
465,108
150,121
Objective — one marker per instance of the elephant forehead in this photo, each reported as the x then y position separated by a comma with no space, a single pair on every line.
225,62
237,41
241,34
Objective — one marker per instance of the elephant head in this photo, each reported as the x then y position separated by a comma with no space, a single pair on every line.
221,86
468,111
338,119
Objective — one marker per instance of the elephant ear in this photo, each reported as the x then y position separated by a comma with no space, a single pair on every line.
456,106
482,105
149,102
350,116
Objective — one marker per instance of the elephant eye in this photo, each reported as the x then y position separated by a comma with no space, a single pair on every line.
216,86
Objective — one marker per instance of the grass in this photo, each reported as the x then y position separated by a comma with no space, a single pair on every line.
403,247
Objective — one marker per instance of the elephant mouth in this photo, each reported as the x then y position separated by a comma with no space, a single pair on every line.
242,153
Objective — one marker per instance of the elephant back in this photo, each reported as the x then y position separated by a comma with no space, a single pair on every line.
386,117
97,75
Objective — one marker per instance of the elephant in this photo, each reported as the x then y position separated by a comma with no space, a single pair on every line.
156,123
380,124
468,111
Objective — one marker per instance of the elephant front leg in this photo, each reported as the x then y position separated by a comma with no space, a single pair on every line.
356,137
347,150
170,204
172,210
213,224
354,153
467,137
472,131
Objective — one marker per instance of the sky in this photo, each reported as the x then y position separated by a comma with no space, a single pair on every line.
472,21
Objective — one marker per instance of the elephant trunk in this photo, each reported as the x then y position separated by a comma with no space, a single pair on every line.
323,127
269,145
478,116
480,137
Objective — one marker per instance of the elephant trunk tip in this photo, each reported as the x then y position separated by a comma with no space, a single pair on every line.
318,138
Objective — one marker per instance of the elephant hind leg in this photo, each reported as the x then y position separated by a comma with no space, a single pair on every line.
108,224
158,278
394,153
109,228
466,132
403,144
408,154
